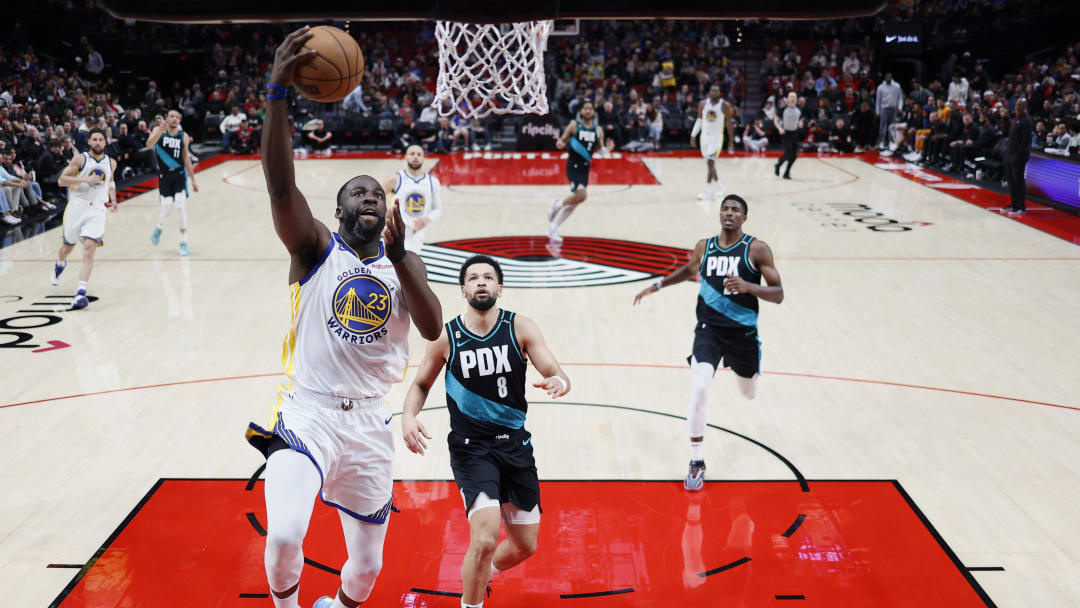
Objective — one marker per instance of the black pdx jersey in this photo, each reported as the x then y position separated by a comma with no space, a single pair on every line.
716,305
170,149
485,379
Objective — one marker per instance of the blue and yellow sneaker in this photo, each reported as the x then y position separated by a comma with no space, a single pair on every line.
184,251
58,269
323,602
695,479
80,300
155,237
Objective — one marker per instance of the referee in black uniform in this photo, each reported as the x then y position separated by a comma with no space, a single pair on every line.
789,130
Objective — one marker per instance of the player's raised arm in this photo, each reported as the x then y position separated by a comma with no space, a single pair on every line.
682,273
412,429
156,132
423,304
772,291
555,381
302,235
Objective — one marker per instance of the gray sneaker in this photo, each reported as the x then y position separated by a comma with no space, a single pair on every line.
695,478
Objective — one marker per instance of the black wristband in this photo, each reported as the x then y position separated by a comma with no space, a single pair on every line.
390,255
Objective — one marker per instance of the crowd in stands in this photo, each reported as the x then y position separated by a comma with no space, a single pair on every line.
645,79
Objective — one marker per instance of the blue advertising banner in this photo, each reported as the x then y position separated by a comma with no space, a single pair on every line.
1055,179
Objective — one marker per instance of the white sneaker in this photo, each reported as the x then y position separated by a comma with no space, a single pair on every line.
58,269
553,235
719,192
11,219
704,195
554,209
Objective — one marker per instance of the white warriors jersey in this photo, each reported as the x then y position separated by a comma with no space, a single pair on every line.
350,326
712,121
97,193
417,197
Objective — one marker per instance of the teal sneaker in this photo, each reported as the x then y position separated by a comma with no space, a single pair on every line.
184,251
695,478
155,237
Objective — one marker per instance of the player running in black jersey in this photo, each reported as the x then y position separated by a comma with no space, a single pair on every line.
486,352
731,266
170,144
583,136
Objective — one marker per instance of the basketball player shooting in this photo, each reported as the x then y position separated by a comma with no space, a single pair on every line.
731,266
171,145
352,297
418,191
486,352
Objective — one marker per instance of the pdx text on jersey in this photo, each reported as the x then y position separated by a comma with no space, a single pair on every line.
722,266
487,361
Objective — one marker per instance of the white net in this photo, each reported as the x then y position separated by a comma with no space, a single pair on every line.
488,68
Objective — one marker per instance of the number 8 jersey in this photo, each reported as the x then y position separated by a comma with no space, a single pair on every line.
485,379
717,306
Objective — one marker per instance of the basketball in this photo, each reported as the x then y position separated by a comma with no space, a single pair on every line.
335,71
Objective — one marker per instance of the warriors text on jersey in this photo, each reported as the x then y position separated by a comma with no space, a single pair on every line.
583,143
716,305
169,149
349,335
485,379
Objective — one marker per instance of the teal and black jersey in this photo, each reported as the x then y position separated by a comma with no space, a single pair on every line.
170,150
485,379
716,306
583,143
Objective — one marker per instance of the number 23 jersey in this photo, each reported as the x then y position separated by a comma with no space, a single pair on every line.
350,325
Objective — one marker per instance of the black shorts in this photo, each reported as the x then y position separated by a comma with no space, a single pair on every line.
502,467
172,183
737,347
577,174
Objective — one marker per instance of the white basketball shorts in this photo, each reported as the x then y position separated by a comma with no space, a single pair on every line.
351,444
83,220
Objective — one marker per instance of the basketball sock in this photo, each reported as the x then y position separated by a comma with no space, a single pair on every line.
748,386
564,212
697,450
464,605
183,236
293,601
701,375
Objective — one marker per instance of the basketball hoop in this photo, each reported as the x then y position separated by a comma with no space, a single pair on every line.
501,65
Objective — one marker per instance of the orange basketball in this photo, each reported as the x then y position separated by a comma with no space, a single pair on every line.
335,71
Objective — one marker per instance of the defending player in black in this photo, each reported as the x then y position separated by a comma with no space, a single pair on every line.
486,352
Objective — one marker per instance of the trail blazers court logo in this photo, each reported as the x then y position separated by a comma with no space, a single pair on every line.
530,261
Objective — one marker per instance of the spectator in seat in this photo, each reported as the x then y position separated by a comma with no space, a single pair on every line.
754,137
319,138
439,141
49,166
959,90
229,125
243,140
967,137
404,135
840,138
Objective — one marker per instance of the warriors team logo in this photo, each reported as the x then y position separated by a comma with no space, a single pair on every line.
531,261
710,115
99,176
414,204
361,305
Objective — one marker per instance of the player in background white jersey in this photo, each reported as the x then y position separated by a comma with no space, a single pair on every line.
353,295
713,123
89,176
416,193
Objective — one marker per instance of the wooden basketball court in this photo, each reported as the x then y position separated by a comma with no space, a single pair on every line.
913,443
